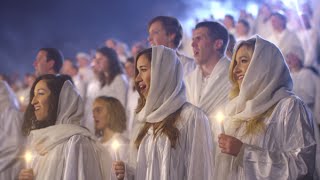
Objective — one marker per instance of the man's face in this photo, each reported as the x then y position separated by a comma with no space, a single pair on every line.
41,65
158,35
277,23
203,46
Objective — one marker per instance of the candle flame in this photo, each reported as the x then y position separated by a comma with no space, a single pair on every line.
220,117
28,157
115,145
21,98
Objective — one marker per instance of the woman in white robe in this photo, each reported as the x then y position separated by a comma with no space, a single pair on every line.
110,124
269,133
174,142
61,149
10,133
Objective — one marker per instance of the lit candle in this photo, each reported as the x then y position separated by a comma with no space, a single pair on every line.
28,159
220,118
115,146
21,99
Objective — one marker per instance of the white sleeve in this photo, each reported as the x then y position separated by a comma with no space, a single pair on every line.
199,148
291,155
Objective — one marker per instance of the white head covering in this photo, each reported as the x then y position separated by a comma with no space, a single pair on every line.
266,82
298,51
71,106
167,91
7,97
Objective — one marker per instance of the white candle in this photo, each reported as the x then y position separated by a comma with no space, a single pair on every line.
220,118
28,159
115,146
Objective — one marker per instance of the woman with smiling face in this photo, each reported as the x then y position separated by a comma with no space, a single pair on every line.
269,133
174,142
61,148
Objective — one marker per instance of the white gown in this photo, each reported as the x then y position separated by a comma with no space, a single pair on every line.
285,148
10,134
66,151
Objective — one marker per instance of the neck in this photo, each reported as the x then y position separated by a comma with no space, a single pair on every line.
208,67
107,135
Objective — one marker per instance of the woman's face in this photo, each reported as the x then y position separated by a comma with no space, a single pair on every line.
40,100
100,114
144,75
102,62
242,61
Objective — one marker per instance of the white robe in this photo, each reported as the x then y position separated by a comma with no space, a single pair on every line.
132,101
306,85
213,97
10,133
188,63
66,151
191,158
111,154
281,152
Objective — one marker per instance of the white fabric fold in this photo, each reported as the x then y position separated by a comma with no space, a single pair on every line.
167,90
266,81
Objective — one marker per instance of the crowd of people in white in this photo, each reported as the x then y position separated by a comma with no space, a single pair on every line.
152,113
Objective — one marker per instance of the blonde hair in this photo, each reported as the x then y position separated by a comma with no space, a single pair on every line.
116,113
254,125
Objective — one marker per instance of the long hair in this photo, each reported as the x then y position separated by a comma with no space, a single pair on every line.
116,114
168,125
255,125
114,67
54,83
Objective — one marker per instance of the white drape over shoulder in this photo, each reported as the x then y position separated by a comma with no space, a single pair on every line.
10,133
66,151
167,90
265,83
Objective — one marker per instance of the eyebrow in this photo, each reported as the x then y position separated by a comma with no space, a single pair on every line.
142,66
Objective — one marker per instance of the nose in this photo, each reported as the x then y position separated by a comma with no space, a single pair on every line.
236,70
149,38
35,63
138,78
193,44
34,101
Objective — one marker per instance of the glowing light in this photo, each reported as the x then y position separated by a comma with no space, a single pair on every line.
28,159
21,99
115,147
220,118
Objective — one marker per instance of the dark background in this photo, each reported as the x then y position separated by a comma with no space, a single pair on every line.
79,25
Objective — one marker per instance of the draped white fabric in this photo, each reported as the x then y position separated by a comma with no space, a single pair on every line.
167,90
286,148
265,83
66,150
10,133
192,156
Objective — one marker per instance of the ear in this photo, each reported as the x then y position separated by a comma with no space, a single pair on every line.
50,64
218,44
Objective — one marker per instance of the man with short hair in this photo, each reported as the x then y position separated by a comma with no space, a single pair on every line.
167,31
48,61
208,85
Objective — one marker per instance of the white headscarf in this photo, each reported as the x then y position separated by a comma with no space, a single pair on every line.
265,83
167,91
7,97
71,106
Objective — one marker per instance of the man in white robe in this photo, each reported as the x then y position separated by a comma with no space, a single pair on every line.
208,85
10,133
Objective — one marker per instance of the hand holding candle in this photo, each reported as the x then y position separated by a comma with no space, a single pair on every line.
220,118
115,147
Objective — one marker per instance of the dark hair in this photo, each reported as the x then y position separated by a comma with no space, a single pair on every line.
281,16
54,83
231,44
216,31
231,18
130,60
168,125
171,25
245,24
54,55
116,113
114,65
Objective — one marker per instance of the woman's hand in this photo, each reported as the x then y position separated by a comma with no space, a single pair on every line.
229,145
26,174
119,169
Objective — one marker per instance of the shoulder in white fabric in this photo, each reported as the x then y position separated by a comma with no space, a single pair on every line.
7,97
